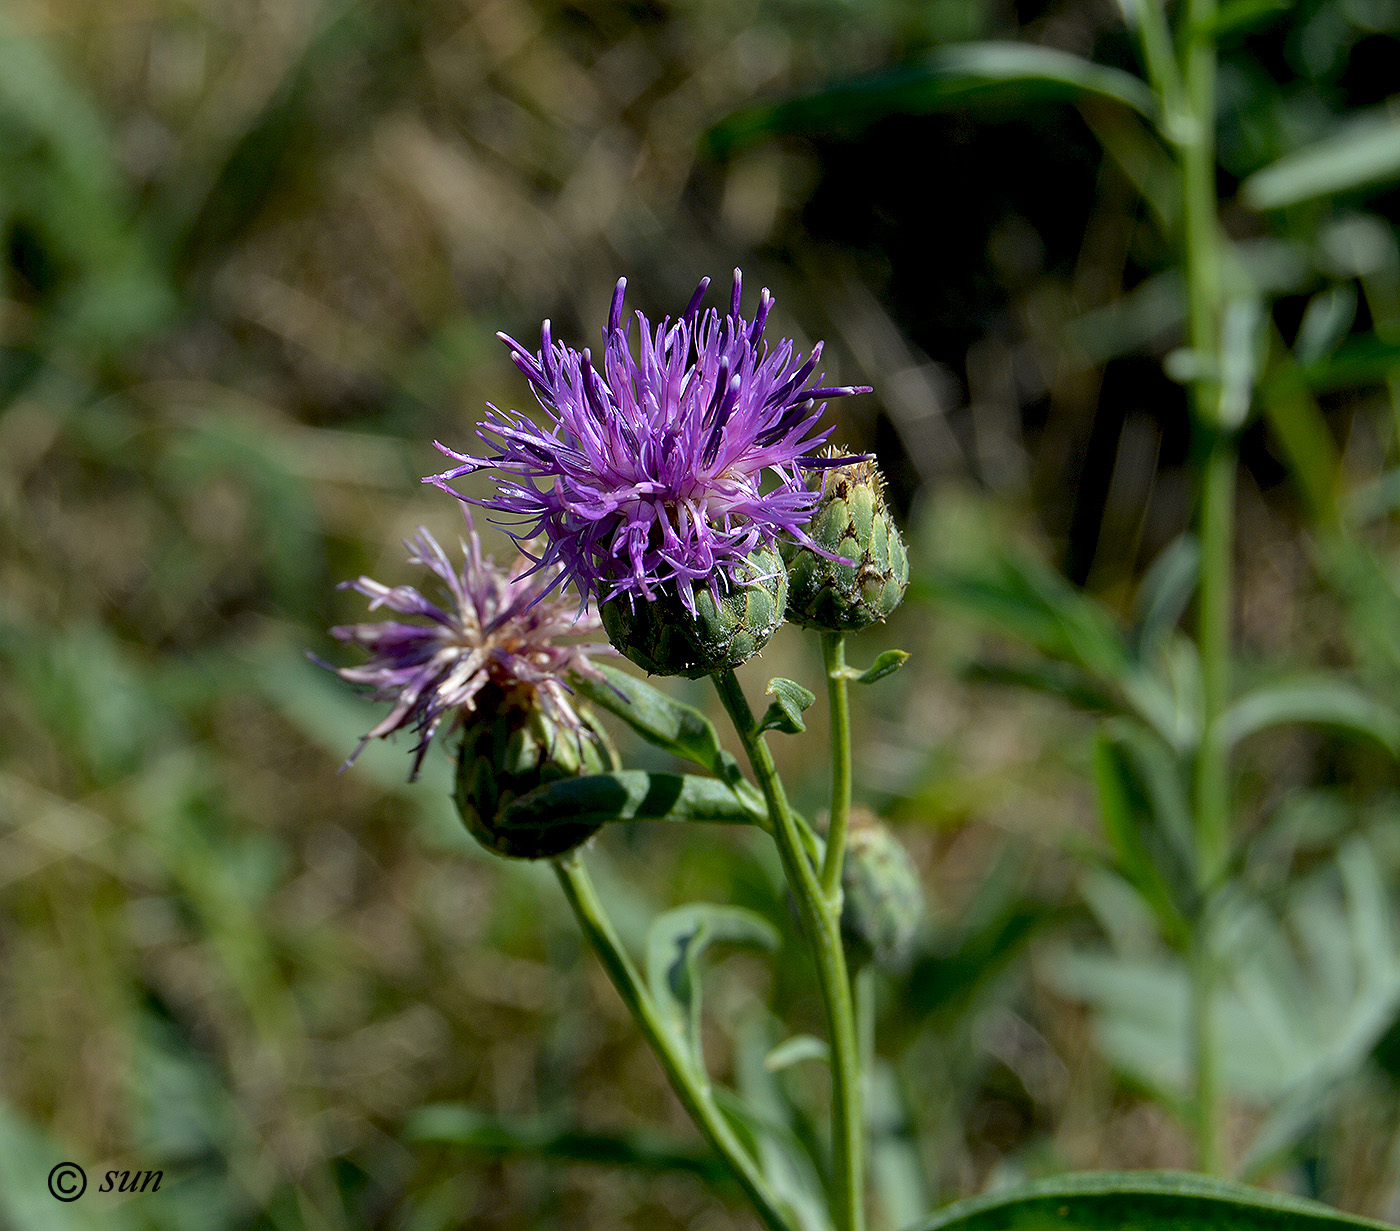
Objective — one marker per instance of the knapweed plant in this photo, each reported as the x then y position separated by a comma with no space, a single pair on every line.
680,496
680,488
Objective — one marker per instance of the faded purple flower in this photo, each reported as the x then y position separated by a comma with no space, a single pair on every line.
498,628
650,473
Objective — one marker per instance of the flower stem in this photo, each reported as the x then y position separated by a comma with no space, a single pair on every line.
822,926
838,702
690,1085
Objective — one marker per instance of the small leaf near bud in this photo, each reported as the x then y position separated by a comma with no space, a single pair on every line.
886,664
785,710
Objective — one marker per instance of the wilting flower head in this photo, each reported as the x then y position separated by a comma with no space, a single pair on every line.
499,628
648,476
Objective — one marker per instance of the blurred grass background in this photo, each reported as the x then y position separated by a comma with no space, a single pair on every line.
252,259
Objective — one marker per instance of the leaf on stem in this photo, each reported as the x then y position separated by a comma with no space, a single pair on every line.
1165,593
1311,702
1147,822
661,720
628,795
794,1051
1365,151
886,664
1016,76
468,1128
675,944
784,712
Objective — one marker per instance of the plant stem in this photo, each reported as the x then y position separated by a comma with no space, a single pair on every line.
690,1085
1216,499
838,704
822,926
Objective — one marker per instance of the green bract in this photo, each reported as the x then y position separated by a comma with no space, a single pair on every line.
852,521
663,638
512,748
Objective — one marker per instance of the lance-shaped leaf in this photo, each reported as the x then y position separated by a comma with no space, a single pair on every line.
1146,822
1015,76
628,795
661,720
1311,702
1142,1200
677,941
795,1050
1364,151
784,712
470,1129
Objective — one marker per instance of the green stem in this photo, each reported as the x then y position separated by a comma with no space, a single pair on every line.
1213,623
692,1087
838,703
1216,508
822,926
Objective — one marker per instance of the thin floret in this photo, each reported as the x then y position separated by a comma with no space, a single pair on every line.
649,475
497,627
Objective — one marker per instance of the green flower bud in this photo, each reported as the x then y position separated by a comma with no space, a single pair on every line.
663,638
511,746
883,901
852,521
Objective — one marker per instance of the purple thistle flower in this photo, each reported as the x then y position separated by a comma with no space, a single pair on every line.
649,476
499,628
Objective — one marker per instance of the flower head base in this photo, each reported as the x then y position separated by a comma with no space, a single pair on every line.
649,479
499,629
511,747
663,639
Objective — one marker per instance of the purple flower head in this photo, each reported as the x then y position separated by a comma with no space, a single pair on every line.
649,474
498,628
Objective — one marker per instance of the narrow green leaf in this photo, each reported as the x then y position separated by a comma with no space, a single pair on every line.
1313,702
784,712
794,1051
1365,151
661,720
1239,16
628,795
1297,423
969,75
1129,800
1143,1201
455,1124
1166,592
1239,360
675,944
778,1127
1327,320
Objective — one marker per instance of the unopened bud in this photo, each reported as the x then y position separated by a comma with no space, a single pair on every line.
511,746
883,901
853,522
